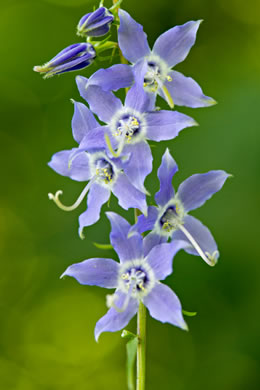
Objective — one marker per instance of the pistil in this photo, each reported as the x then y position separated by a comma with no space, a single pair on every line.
55,197
210,259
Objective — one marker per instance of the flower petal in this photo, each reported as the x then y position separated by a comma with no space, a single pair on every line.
119,227
128,195
95,139
201,235
164,305
166,171
103,103
195,190
79,168
113,320
163,125
82,121
95,272
131,38
97,196
161,256
145,223
174,45
113,78
151,240
126,248
186,92
137,98
140,163
60,162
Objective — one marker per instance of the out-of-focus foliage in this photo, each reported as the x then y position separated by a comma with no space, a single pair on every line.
46,328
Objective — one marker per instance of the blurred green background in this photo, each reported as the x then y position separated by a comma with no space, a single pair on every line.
46,328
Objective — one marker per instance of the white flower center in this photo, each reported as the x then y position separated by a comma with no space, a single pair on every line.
171,217
136,277
103,168
156,74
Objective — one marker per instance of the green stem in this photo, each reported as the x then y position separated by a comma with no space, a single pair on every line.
141,347
141,333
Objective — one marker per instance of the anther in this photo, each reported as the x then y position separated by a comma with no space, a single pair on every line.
169,78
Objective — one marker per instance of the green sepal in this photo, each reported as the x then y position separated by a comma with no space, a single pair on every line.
100,47
189,313
102,246
106,58
131,351
114,7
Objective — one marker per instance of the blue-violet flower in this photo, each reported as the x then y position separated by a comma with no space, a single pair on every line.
136,279
171,48
171,219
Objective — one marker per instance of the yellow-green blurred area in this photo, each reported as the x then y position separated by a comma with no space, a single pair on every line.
47,324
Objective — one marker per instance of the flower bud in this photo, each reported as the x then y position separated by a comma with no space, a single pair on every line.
73,57
95,24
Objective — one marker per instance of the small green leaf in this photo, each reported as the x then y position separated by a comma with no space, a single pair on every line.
128,335
189,313
131,351
102,246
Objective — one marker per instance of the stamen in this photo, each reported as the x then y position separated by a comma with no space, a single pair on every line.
125,131
122,141
169,78
56,199
209,259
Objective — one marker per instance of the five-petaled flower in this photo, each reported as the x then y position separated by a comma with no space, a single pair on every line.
104,173
171,219
136,279
171,48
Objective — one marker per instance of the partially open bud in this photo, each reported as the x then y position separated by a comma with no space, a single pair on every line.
95,24
73,57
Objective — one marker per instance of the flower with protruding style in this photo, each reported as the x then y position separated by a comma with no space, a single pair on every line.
95,24
136,279
104,173
72,58
129,126
171,48
171,219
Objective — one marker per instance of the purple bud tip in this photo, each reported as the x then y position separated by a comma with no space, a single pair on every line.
95,24
73,57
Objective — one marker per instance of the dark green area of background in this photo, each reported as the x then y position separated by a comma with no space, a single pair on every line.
46,328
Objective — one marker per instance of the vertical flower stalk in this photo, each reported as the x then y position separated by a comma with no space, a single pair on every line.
141,346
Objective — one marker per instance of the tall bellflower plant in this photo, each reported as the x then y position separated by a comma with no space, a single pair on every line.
113,155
